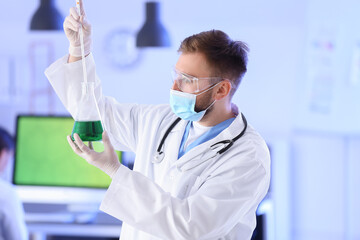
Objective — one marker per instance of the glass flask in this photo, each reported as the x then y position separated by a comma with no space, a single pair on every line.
87,119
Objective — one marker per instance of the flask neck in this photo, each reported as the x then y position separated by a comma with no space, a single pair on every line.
87,88
87,108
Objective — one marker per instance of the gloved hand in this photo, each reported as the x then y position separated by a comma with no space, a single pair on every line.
107,161
71,25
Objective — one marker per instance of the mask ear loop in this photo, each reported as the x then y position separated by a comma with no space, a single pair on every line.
197,85
212,102
206,91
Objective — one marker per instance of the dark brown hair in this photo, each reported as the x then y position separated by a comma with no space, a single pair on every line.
226,57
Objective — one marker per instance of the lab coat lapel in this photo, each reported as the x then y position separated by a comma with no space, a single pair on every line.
192,158
195,157
203,152
171,150
172,144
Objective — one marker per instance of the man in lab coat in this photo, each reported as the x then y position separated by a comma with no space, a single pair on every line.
12,223
199,177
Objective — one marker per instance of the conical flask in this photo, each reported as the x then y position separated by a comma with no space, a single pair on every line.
87,120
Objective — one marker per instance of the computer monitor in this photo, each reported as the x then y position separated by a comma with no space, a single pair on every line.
46,170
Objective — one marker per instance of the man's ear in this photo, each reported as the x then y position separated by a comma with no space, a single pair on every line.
223,90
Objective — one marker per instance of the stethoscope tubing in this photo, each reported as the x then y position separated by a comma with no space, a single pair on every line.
160,154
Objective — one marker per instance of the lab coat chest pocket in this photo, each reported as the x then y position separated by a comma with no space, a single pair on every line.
183,184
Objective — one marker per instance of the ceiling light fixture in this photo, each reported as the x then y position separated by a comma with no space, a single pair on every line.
153,33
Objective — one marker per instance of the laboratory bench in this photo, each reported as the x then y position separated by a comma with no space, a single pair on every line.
58,225
47,231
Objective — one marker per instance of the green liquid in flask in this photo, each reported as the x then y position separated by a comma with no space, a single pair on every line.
88,130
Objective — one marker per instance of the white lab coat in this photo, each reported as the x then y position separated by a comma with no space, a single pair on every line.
12,222
199,196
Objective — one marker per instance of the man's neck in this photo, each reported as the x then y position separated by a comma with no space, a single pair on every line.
217,115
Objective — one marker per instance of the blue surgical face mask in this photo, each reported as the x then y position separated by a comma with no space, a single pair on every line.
183,105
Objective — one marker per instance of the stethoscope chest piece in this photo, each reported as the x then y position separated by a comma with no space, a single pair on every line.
158,157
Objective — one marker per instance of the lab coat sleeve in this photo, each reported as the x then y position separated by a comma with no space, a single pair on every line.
120,120
12,218
227,198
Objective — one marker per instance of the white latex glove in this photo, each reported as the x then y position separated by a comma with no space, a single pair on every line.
107,161
71,25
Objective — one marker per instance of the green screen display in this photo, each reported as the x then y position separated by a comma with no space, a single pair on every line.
43,157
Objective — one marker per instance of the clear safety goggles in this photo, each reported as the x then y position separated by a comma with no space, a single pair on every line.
190,84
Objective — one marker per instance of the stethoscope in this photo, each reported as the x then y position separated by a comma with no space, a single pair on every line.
226,144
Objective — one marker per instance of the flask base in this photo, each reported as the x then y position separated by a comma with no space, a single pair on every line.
88,130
